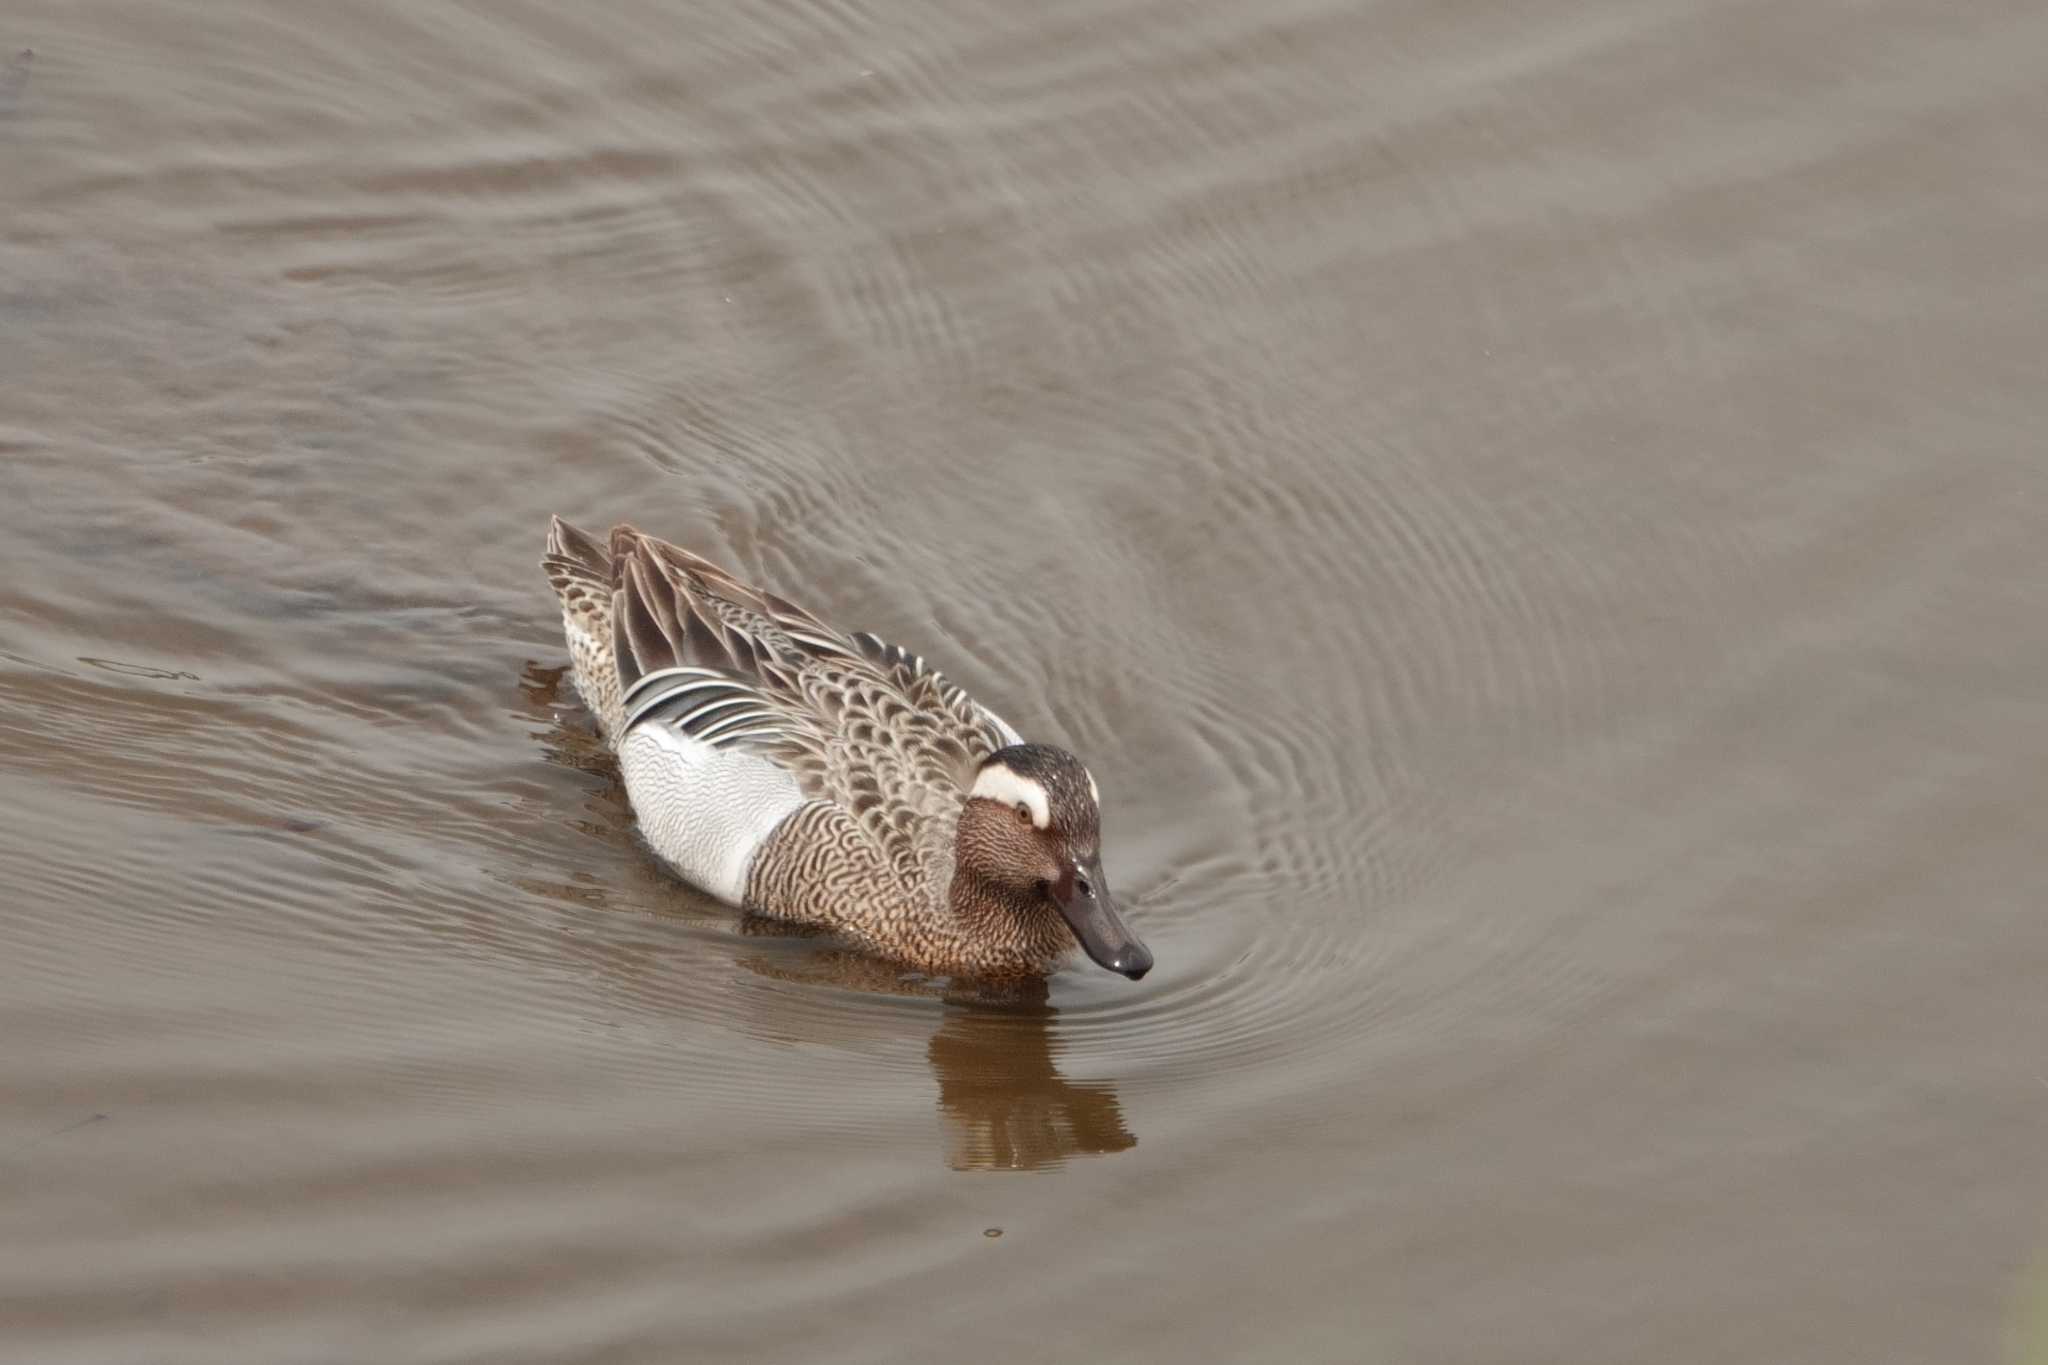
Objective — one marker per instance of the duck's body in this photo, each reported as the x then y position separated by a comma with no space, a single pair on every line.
796,771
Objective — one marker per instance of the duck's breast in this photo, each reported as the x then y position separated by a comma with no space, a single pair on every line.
706,810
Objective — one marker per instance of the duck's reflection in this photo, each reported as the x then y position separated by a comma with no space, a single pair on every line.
1004,1104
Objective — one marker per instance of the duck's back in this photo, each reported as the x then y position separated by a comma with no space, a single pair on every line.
773,760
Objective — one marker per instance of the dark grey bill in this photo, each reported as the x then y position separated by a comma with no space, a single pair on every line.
1082,896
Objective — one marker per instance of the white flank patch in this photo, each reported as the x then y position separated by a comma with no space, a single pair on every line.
998,783
706,810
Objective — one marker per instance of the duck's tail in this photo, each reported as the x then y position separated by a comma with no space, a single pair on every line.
581,571
577,565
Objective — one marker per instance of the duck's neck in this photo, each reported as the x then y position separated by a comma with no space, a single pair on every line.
1007,921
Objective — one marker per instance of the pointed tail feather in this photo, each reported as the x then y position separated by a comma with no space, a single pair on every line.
576,563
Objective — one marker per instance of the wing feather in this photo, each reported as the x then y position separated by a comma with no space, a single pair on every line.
866,724
917,676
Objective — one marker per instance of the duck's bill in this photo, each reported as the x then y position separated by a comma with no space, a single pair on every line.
1098,928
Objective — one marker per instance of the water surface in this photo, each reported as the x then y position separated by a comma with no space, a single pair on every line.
1534,515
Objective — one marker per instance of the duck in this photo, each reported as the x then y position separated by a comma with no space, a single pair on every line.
796,771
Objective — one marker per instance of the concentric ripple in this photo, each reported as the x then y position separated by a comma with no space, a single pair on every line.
1533,518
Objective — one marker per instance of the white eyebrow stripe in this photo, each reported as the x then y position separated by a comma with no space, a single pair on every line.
998,783
1093,794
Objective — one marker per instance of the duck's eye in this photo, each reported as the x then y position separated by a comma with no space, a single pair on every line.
1024,811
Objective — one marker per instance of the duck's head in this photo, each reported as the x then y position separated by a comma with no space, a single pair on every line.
1033,826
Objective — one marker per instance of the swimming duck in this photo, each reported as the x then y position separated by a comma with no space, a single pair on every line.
799,772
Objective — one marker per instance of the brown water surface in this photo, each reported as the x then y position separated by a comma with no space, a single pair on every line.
1536,514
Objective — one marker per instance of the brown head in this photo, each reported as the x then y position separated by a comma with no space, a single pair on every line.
1033,828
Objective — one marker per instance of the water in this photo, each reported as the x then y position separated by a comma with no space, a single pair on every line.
1535,516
